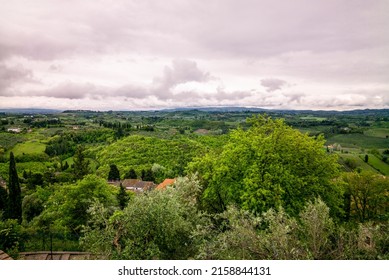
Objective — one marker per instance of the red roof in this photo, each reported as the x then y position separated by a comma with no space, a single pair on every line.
165,183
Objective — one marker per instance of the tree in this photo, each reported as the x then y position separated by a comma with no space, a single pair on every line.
3,199
114,174
268,166
122,197
366,158
66,209
66,166
159,225
10,236
368,195
14,192
81,164
143,175
131,174
147,175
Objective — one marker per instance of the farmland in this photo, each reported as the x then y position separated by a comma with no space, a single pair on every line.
245,158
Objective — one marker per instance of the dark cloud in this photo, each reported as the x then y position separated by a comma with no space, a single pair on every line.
273,84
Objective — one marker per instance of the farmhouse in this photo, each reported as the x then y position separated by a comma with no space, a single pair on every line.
135,185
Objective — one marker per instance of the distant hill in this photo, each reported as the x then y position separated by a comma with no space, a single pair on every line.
366,112
30,111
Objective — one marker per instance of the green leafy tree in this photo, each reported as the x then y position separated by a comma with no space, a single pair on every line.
65,166
131,174
66,209
159,225
81,164
114,174
10,236
122,197
268,166
14,192
368,196
33,204
147,175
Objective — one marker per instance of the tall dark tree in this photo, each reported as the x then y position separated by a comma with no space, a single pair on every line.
366,158
3,199
15,194
114,174
147,175
122,197
81,164
143,175
131,174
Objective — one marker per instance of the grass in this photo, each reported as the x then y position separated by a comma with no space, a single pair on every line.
359,162
29,147
311,118
378,164
377,132
359,140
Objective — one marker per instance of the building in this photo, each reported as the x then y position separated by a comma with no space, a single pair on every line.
135,185
165,184
4,256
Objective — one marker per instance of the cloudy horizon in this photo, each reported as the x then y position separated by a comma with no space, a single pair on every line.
139,55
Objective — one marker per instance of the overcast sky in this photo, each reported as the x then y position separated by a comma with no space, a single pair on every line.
153,54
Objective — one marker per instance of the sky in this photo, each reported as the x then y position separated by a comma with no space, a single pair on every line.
152,54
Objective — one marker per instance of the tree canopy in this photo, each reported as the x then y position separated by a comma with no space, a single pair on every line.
268,166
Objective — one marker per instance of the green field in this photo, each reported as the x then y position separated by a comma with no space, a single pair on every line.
29,147
312,118
379,165
377,132
360,163
359,140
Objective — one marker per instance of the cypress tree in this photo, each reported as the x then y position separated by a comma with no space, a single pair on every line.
81,164
131,174
122,197
3,199
15,194
114,174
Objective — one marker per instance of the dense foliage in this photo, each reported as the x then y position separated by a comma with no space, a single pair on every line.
142,152
256,189
268,166
158,225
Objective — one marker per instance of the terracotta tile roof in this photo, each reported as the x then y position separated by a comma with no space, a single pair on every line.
165,183
4,256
